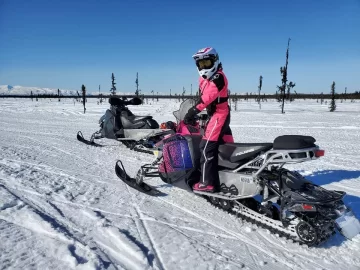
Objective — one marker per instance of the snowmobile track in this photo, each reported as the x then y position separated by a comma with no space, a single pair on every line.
227,258
66,230
236,235
156,253
261,225
143,225
273,230
302,256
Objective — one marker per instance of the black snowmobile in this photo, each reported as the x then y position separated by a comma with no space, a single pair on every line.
255,186
139,133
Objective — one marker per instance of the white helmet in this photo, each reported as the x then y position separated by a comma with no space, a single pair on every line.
207,62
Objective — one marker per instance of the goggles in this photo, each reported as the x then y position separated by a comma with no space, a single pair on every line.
204,63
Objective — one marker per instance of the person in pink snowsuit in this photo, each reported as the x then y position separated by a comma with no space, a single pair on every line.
213,93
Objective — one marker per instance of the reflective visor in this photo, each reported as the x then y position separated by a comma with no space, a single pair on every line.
204,63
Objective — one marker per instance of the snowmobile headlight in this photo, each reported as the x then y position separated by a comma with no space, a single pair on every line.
157,153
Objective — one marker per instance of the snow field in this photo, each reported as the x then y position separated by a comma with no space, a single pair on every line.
62,206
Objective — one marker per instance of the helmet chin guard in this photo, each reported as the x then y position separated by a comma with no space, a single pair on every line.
207,62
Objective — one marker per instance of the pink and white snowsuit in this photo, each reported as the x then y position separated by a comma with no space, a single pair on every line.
214,97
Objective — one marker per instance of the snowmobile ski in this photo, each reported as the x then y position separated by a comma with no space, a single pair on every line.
91,142
138,185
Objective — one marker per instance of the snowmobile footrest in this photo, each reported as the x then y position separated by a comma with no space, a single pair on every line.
222,195
131,182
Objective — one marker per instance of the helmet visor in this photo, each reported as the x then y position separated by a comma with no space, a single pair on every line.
204,63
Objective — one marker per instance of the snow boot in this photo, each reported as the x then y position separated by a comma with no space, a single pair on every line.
201,187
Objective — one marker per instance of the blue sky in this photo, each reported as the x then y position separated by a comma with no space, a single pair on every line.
64,44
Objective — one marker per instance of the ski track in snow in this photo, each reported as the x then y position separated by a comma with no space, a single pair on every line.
62,206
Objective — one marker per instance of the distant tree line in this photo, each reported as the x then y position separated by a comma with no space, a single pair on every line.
247,96
281,95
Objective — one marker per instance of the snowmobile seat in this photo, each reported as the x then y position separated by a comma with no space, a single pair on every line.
134,122
138,118
288,142
237,152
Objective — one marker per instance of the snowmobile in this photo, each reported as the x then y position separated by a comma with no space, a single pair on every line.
139,133
254,184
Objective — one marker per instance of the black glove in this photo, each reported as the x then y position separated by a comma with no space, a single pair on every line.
170,125
190,116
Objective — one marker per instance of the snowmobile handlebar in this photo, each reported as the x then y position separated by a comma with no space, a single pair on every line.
202,116
123,102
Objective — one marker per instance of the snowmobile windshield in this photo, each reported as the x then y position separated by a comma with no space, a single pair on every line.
184,107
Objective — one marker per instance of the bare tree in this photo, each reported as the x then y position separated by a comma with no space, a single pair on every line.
113,88
235,101
259,90
100,96
321,98
137,84
79,98
183,93
83,90
229,94
345,93
332,106
289,86
284,85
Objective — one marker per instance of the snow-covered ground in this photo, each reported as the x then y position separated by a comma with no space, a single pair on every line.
62,206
